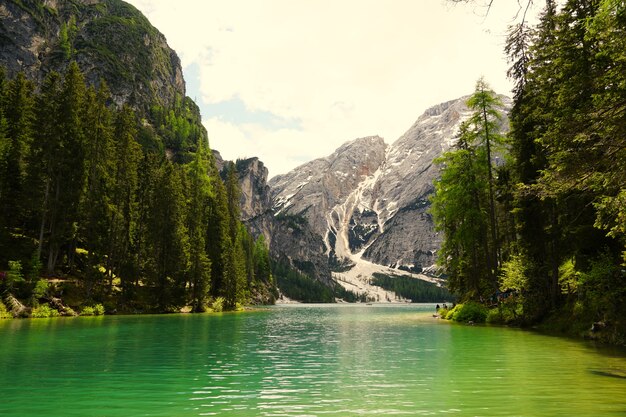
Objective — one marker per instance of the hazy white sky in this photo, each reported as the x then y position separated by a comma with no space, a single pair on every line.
291,80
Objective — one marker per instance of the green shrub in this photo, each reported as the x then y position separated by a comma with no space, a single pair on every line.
515,274
443,312
4,314
34,267
98,310
44,311
568,277
95,310
495,316
41,289
87,311
451,312
600,289
218,305
506,313
470,311
14,274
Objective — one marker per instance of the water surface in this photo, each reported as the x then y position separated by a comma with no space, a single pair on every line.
324,360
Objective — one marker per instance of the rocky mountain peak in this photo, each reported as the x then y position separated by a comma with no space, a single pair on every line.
313,189
109,39
438,109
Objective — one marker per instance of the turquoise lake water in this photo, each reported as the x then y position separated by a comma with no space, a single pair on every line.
318,360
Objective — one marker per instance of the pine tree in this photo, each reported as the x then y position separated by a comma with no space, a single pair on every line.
67,168
5,145
529,118
218,240
233,194
262,262
123,211
235,274
167,245
199,194
567,146
43,158
95,198
605,174
19,118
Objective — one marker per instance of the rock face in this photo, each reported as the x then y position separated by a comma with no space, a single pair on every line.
369,201
290,238
314,189
255,193
109,39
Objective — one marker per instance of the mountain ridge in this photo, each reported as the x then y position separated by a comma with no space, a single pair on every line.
369,200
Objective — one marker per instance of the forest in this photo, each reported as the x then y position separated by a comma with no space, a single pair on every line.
535,219
416,290
102,208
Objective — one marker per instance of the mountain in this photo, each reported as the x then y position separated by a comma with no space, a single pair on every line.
369,201
109,39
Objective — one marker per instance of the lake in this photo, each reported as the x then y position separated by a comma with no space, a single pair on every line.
301,360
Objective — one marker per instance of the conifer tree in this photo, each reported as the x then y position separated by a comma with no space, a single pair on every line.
233,193
68,168
96,195
198,195
4,148
262,263
530,117
19,117
167,243
608,178
123,212
458,208
464,205
486,122
43,163
218,240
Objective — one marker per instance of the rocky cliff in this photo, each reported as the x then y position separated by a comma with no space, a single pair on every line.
109,39
290,238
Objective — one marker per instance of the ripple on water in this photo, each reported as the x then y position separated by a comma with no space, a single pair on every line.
302,361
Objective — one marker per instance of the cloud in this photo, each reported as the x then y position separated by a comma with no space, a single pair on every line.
341,69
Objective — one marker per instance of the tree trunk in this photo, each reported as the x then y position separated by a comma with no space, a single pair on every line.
43,220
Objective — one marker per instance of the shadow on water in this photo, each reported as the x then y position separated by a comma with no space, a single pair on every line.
612,373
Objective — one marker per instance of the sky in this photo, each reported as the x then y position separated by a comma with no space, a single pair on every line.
289,81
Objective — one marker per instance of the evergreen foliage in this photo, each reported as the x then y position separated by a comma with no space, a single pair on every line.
563,250
416,290
464,204
299,286
131,216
